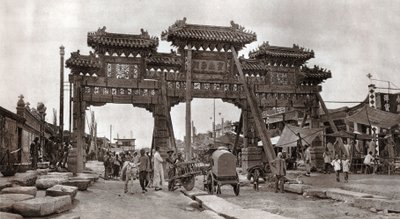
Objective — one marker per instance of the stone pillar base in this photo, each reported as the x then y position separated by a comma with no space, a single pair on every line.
251,156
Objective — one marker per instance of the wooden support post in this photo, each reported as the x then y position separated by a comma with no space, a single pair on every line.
238,130
260,125
245,126
188,98
331,123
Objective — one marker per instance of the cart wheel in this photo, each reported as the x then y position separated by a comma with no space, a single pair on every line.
236,189
188,183
218,189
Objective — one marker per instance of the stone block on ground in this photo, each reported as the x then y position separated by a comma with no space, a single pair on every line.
25,179
7,200
42,171
315,192
4,184
43,206
43,165
5,215
345,195
62,174
69,216
29,190
211,214
296,188
47,182
61,190
91,176
194,192
378,203
81,184
230,210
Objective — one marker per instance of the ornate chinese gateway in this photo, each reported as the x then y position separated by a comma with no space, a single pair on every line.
127,69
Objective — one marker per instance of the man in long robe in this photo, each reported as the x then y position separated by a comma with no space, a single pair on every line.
158,170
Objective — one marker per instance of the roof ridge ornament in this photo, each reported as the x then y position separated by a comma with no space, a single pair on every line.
144,33
179,23
236,26
101,31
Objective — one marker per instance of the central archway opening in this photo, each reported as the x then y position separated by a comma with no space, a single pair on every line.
210,117
122,121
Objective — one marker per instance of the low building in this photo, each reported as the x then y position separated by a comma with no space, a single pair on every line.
18,130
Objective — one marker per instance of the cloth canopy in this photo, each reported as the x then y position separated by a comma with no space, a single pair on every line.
371,116
274,141
289,136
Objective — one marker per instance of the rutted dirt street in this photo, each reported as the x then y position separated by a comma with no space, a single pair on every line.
106,199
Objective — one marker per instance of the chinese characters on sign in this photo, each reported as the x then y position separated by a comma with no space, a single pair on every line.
122,71
208,66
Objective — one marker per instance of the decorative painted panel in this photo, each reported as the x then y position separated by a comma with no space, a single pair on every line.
122,71
208,65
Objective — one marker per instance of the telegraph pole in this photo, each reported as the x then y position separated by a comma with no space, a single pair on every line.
62,93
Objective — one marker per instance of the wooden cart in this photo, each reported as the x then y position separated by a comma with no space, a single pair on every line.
222,172
186,172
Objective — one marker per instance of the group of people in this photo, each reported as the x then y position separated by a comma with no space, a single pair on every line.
54,151
149,170
332,159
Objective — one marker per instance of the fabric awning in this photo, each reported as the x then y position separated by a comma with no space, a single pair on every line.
289,136
371,116
274,140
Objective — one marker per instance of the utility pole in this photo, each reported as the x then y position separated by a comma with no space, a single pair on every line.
110,133
214,123
61,130
188,99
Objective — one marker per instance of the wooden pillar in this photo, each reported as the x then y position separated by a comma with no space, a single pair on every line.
75,155
167,110
160,133
188,98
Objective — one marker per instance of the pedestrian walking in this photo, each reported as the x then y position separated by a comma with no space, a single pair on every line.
149,175
170,161
307,160
158,170
34,151
117,166
279,165
336,163
369,163
143,167
346,168
106,161
327,161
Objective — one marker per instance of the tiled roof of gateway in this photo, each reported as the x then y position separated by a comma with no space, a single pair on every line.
234,34
276,51
165,59
253,65
316,73
89,61
103,38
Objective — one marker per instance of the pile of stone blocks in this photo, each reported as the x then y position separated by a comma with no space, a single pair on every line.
18,194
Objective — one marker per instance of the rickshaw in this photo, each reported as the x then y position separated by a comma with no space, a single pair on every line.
222,172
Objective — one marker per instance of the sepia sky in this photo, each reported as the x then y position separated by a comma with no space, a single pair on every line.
351,38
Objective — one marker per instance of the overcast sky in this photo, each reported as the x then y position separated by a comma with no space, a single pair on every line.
351,38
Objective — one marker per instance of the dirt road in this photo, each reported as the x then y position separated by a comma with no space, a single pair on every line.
106,199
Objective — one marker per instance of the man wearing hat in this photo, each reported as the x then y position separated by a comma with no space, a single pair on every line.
171,169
